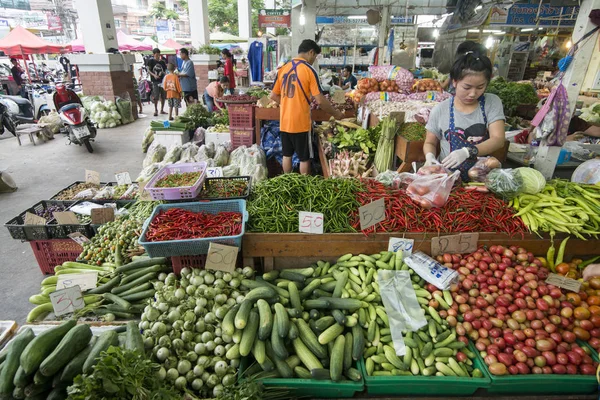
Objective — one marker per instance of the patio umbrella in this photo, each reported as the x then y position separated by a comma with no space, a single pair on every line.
172,44
163,49
225,37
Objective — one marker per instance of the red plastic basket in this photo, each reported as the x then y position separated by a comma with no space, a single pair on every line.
241,136
50,253
241,115
181,262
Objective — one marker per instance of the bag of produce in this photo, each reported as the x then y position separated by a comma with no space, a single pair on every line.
482,168
237,156
173,155
148,139
199,135
506,183
258,173
156,153
123,104
188,153
533,180
211,149
380,72
221,156
148,172
432,190
256,151
231,170
425,85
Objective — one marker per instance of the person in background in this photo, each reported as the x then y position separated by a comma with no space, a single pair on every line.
296,83
17,71
187,77
462,48
64,61
213,91
229,73
173,90
138,98
468,124
349,80
157,70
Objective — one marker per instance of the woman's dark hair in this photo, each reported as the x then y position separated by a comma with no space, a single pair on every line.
224,79
470,45
471,63
228,54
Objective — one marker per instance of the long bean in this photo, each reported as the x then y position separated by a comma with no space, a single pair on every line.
275,203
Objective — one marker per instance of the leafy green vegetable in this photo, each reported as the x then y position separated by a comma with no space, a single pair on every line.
360,139
195,116
506,183
251,389
208,49
220,118
512,94
122,375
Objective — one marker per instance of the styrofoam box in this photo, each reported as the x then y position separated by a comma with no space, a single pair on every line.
217,137
169,139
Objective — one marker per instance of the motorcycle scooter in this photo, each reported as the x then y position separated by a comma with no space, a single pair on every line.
78,126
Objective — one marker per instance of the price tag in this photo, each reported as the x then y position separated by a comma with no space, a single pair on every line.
545,160
166,124
32,219
103,215
371,214
66,218
123,178
79,238
339,97
564,282
365,121
67,300
454,244
92,177
85,281
264,102
310,222
403,245
144,194
221,257
214,172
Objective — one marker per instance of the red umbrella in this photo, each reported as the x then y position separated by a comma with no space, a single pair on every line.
21,41
172,44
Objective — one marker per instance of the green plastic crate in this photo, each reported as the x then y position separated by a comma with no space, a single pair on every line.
551,384
425,385
310,388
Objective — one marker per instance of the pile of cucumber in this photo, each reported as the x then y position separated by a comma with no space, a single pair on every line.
43,366
122,292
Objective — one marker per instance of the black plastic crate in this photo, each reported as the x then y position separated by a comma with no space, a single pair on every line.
102,184
211,181
18,230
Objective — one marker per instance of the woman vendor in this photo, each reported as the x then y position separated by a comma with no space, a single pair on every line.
470,123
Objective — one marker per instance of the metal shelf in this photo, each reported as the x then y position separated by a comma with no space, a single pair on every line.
348,45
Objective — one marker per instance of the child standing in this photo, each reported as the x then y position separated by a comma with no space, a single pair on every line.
172,86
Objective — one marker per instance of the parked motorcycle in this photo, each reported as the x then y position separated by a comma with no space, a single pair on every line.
20,109
78,126
38,96
6,121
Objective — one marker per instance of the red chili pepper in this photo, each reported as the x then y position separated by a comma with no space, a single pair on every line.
180,224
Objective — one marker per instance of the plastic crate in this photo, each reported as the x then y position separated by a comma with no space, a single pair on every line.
241,136
550,384
18,230
102,184
425,385
241,115
210,181
177,193
50,253
194,247
309,388
181,262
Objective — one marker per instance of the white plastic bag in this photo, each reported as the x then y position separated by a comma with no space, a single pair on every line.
431,270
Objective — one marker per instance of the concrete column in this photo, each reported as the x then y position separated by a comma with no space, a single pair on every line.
198,12
306,31
270,4
384,27
244,19
203,63
97,24
573,79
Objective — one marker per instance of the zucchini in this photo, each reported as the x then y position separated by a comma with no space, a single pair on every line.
58,393
44,344
227,325
249,334
75,366
148,262
21,379
71,344
107,287
277,343
282,320
117,300
308,359
105,340
241,317
19,392
265,320
268,364
11,364
141,272
40,379
310,340
134,341
260,293
331,333
137,289
119,309
308,289
38,391
140,295
142,279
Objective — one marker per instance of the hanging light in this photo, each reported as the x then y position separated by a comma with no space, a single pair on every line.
569,44
436,33
489,42
302,19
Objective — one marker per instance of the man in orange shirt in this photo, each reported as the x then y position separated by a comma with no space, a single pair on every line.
296,83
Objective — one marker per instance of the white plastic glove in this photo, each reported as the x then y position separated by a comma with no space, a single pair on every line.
430,159
456,158
591,271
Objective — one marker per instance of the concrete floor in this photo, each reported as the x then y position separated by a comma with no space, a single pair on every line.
40,172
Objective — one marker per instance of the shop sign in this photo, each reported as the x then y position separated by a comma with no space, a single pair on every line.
363,21
162,30
526,14
54,23
275,18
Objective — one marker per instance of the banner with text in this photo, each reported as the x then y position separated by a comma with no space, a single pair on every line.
275,18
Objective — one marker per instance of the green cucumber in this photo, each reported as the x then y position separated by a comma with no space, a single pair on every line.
71,344
44,344
75,366
134,341
11,364
107,287
141,264
105,340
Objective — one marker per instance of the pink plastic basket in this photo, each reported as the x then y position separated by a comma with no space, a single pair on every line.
177,193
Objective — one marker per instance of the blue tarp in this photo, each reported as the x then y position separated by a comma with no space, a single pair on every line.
271,143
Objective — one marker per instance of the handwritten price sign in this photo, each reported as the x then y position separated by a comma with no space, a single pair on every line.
221,257
85,281
214,172
78,238
564,282
67,300
404,245
371,214
454,244
310,222
123,178
92,177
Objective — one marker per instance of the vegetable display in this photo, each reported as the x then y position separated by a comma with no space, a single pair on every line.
591,114
384,157
105,114
412,131
512,94
121,234
224,188
238,98
177,179
75,190
180,224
